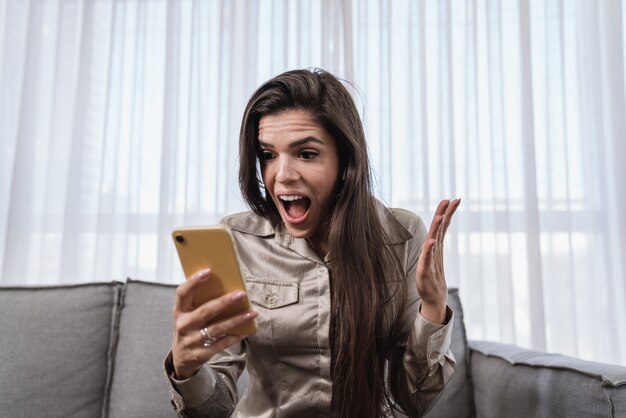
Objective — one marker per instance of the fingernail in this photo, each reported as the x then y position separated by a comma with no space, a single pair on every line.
204,274
250,315
239,295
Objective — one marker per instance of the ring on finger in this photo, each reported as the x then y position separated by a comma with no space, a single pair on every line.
207,339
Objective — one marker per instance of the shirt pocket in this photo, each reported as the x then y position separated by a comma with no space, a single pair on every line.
279,307
272,295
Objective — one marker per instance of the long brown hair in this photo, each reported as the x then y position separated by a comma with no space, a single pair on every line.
365,271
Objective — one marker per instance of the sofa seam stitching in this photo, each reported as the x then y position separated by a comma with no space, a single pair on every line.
113,341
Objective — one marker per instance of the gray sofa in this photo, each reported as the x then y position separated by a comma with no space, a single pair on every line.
96,350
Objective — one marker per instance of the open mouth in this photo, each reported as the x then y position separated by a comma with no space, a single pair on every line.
296,207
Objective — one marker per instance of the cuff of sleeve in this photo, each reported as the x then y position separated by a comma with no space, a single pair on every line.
198,387
193,391
439,337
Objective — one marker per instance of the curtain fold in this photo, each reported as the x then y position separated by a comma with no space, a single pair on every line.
119,121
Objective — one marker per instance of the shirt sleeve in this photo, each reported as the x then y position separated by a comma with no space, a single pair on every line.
432,339
212,391
421,363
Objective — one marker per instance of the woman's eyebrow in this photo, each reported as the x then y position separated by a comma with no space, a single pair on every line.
296,143
303,141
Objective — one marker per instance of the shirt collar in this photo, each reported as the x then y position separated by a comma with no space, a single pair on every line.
261,227
395,231
250,223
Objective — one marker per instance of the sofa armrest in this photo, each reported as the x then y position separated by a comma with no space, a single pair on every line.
514,382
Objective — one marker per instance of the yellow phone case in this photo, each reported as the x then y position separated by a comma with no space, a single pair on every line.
213,247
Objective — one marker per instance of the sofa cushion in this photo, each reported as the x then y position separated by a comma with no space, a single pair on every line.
55,349
513,382
139,387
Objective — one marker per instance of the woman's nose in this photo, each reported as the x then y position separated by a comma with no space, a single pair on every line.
286,171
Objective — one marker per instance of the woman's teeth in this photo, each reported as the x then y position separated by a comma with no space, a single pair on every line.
290,198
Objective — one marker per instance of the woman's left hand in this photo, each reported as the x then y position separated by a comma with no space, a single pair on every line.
429,277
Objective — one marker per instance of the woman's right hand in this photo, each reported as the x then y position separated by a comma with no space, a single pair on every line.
189,352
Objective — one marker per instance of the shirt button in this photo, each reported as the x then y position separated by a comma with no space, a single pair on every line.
434,355
270,299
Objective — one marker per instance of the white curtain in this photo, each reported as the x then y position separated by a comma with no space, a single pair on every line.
119,121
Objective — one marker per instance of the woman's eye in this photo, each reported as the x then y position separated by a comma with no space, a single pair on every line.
307,155
266,155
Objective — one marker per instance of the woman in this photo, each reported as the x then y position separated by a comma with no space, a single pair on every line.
333,276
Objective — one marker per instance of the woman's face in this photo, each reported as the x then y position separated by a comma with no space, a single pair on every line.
300,166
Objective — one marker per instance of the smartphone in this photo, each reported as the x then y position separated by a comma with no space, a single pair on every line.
213,247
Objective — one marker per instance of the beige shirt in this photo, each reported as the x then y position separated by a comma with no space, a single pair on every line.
288,359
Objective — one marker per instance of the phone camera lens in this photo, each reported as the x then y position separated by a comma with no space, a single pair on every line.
180,238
